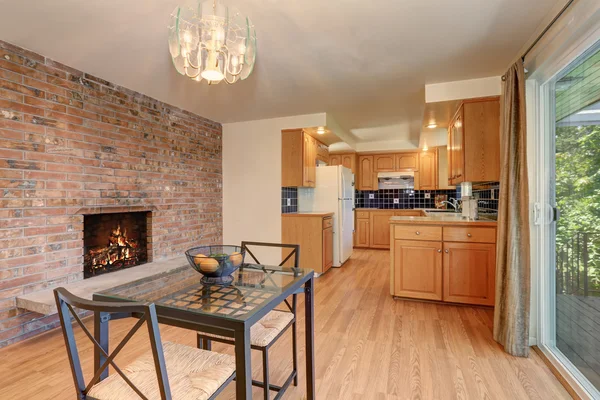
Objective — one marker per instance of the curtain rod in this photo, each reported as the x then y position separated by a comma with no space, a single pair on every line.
546,29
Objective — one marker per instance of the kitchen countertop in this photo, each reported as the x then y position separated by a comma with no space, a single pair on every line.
308,214
442,219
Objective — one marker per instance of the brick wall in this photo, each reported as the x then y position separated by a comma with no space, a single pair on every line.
70,141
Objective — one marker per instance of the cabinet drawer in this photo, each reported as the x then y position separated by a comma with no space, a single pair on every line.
414,232
327,222
362,214
408,213
470,234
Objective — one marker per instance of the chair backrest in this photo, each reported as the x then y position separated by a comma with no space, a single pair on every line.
146,312
294,251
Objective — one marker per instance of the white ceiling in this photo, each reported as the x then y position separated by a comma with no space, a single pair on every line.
363,62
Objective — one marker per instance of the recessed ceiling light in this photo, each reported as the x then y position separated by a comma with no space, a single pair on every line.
432,125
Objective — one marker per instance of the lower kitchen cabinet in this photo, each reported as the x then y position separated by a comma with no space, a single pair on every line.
455,264
327,248
372,227
470,273
314,233
380,229
362,233
418,269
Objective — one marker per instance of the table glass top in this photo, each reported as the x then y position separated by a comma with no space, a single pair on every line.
253,287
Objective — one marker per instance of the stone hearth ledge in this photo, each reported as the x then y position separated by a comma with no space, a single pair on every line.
43,302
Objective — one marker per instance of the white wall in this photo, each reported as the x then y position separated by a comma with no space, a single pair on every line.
460,90
252,179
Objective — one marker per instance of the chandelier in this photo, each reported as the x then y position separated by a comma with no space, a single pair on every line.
209,41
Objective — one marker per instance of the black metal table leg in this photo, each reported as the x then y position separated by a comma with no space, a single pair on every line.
243,364
101,336
309,319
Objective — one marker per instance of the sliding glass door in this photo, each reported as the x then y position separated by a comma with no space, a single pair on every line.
572,229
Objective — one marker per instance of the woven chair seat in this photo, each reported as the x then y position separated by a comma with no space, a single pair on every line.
265,330
193,374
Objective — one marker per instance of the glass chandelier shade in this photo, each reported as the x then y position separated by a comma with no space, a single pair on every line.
209,41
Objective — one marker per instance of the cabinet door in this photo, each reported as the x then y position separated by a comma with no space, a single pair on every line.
335,159
380,229
306,154
384,163
366,173
362,233
406,162
418,269
327,248
481,141
470,273
310,161
349,161
458,149
450,154
428,170
312,171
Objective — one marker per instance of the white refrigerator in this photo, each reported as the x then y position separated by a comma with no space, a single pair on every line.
333,192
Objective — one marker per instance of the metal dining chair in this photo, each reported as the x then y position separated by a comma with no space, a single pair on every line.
147,377
271,327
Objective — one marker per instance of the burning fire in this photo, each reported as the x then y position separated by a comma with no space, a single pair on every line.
120,250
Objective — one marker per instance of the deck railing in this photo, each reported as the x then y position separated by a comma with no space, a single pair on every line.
577,266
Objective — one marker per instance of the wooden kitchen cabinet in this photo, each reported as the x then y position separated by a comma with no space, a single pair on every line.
367,177
380,229
467,262
347,160
362,232
474,142
470,273
335,159
418,269
384,162
322,152
428,170
327,248
298,158
406,161
314,233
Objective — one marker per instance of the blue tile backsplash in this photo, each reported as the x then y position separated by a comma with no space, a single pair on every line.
399,198
290,193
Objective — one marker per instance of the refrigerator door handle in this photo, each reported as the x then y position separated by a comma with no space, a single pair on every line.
341,206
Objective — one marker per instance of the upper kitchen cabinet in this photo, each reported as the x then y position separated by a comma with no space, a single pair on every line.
322,152
367,177
384,162
406,161
428,170
474,142
347,160
298,158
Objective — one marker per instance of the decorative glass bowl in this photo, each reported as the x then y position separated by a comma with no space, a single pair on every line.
216,263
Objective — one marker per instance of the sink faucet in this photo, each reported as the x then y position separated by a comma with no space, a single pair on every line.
453,203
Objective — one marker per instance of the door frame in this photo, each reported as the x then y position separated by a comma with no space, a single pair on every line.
548,62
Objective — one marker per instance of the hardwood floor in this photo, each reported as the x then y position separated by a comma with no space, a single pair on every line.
368,346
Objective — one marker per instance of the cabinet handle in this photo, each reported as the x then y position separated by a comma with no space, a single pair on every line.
418,233
439,250
447,251
469,235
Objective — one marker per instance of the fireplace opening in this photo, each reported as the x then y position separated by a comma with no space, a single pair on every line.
113,242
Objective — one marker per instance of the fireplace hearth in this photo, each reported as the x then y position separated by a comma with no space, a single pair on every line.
114,241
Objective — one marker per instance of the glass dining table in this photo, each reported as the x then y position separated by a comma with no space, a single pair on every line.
182,300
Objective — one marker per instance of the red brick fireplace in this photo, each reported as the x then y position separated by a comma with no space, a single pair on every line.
73,145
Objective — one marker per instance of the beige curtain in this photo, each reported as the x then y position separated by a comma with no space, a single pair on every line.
511,316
